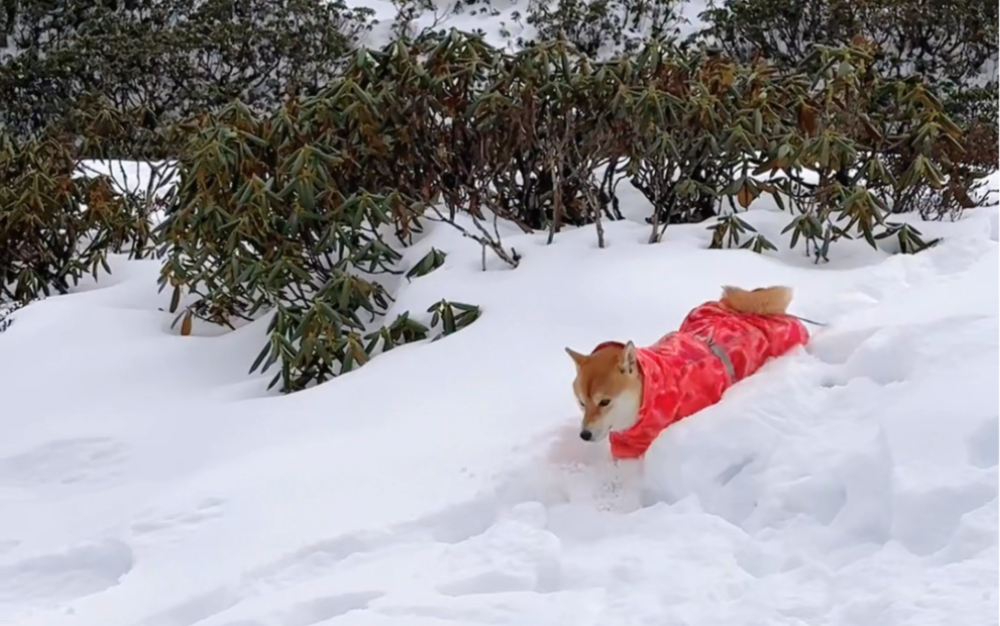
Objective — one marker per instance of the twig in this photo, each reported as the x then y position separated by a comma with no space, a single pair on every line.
597,220
557,208
484,239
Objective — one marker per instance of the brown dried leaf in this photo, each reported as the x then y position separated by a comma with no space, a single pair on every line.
726,76
745,196
807,119
873,134
862,42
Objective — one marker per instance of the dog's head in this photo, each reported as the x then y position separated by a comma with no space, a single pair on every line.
608,387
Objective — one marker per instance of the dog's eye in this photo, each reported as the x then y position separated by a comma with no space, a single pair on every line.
604,402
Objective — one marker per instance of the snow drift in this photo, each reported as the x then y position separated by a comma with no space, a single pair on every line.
146,479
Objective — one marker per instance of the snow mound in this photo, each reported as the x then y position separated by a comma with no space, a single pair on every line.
147,480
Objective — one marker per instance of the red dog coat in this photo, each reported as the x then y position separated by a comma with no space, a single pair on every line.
689,369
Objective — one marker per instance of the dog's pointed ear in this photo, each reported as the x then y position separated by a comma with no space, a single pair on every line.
629,358
578,358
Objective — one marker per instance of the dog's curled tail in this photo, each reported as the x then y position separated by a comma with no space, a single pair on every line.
763,300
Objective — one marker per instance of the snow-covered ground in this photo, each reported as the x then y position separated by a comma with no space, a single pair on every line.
147,480
502,23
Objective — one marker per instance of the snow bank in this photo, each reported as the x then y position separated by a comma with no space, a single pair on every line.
146,479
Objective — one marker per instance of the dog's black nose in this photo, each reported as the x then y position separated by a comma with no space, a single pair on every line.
586,435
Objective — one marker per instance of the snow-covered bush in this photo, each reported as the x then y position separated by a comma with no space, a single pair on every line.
286,213
602,28
294,211
291,208
166,59
6,309
56,226
950,44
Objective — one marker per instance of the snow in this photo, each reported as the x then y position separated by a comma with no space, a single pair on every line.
147,480
502,23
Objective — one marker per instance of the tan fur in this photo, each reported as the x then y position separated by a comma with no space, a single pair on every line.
763,300
612,375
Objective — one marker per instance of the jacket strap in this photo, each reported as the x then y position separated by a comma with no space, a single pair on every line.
719,352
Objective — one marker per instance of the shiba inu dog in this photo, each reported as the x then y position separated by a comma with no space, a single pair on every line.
630,395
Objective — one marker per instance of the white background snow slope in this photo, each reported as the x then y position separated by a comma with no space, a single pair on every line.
504,23
147,480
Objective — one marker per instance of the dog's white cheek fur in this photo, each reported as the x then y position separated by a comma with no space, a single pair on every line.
622,415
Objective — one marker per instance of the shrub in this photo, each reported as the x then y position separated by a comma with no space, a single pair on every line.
138,55
298,212
274,214
6,310
603,28
55,225
946,41
950,44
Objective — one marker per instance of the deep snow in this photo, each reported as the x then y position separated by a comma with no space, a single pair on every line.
147,480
